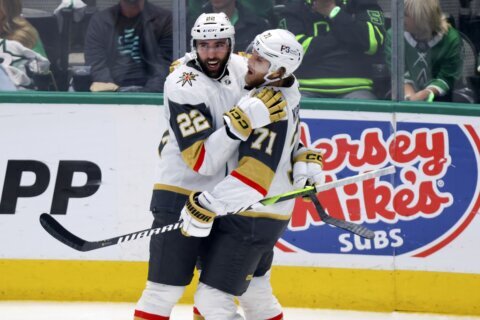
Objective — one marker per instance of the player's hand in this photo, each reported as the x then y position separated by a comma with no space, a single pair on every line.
259,110
275,105
197,221
308,168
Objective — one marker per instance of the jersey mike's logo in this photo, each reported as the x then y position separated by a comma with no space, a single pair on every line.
429,201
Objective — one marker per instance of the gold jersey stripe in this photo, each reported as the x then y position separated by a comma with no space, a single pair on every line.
192,153
275,216
256,171
166,187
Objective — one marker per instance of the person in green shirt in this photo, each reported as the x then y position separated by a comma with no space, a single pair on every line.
433,52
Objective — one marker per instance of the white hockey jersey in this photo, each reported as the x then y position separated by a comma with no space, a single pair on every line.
199,155
263,167
195,150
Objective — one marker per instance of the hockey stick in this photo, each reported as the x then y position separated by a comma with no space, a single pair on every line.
326,186
56,230
349,226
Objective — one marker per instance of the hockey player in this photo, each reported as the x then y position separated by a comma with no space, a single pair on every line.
239,250
199,147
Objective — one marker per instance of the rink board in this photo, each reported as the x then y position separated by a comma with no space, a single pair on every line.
92,166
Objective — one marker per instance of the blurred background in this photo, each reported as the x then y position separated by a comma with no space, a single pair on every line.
54,45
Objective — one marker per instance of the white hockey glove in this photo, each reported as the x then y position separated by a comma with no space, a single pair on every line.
308,168
261,109
197,221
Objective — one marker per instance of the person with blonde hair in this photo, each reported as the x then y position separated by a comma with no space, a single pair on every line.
433,52
21,51
16,28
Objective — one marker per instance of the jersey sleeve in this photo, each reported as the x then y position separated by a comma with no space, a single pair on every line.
450,68
259,157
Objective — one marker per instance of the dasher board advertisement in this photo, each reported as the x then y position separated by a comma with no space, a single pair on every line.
92,167
425,216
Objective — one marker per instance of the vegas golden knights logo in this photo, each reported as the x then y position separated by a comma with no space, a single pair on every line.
187,77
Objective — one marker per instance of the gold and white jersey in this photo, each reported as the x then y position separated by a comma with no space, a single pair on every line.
195,152
263,166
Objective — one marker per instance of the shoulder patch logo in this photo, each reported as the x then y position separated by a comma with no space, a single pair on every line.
187,77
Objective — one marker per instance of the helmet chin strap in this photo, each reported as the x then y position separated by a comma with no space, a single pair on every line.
267,80
272,70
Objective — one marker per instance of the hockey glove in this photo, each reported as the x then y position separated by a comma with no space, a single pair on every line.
307,168
261,109
197,221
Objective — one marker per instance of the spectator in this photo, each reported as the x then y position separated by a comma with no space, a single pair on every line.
432,52
342,40
262,8
16,28
21,49
129,47
5,83
247,24
19,62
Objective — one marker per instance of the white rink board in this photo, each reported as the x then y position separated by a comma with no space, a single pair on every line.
122,141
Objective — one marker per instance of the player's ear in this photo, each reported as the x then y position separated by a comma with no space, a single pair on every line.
277,74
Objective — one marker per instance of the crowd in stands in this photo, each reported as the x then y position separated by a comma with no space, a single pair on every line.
127,45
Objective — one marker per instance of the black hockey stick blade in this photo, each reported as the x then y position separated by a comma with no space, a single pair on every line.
56,230
345,225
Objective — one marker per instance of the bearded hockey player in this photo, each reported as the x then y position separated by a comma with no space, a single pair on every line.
197,94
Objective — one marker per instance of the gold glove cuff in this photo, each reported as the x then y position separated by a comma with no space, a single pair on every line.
196,211
310,156
239,121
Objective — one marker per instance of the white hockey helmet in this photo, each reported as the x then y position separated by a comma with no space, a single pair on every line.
213,26
280,48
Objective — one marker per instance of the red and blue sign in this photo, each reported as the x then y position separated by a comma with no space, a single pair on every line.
425,205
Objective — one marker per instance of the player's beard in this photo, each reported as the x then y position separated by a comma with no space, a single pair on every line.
254,79
217,70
